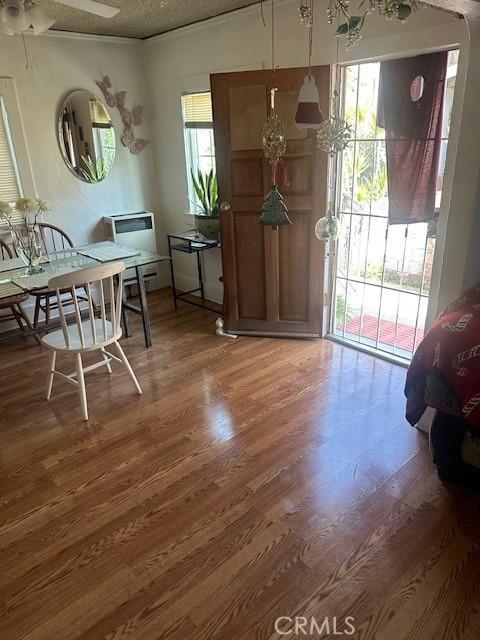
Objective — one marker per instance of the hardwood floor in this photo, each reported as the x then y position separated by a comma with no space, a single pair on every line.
255,478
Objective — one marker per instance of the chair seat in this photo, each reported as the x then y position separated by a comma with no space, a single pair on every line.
14,296
56,339
16,299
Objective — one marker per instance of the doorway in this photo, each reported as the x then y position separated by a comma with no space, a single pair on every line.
382,272
273,277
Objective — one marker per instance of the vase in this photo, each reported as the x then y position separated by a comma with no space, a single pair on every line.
208,226
27,243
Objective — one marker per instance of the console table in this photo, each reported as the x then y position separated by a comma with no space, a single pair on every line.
189,242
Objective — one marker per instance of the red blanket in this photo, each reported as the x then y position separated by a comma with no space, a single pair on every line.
445,370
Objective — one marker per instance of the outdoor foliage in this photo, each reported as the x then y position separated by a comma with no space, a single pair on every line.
366,164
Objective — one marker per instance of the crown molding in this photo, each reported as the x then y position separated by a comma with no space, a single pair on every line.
215,21
440,5
189,28
92,37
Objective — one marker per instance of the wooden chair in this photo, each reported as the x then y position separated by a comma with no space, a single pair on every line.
53,239
92,334
14,302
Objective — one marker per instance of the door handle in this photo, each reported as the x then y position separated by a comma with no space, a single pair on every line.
225,207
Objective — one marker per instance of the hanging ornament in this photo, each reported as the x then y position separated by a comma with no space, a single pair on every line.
352,25
308,115
332,137
305,13
274,210
327,228
334,134
274,142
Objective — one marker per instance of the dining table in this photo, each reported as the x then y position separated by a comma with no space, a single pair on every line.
15,279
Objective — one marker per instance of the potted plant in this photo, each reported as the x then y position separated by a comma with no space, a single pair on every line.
206,187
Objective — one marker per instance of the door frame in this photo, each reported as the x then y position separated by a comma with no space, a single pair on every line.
220,83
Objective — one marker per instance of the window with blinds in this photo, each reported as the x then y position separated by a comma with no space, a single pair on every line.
197,111
10,188
199,142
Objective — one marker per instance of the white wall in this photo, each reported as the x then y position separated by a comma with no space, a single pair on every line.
182,61
157,72
58,66
457,264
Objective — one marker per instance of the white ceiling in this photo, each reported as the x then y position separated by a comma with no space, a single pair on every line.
139,18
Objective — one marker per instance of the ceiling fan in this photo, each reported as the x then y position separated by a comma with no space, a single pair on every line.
17,16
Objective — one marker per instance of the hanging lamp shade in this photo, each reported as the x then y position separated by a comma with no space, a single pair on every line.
274,210
308,115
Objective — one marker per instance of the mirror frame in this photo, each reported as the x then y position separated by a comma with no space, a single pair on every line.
61,142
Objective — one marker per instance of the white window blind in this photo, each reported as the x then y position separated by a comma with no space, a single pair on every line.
9,180
197,111
99,115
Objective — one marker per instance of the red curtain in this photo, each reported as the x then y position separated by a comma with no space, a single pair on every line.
410,109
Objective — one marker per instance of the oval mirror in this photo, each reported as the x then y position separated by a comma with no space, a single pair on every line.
86,136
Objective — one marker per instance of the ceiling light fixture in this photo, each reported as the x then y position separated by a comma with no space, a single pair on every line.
39,21
24,16
12,16
19,16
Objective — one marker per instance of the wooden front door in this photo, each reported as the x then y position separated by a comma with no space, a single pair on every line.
273,279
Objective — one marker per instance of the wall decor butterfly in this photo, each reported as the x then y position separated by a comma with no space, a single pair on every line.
130,118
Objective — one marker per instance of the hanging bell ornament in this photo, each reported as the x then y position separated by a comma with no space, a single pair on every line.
308,115
327,228
274,210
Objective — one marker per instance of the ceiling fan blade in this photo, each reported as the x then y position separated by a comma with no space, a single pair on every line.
91,6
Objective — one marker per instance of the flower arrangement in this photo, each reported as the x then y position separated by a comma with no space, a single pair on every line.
21,218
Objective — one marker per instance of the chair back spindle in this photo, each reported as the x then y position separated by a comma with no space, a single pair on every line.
107,280
53,238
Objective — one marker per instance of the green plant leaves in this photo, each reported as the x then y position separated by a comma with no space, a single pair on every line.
206,188
94,172
354,22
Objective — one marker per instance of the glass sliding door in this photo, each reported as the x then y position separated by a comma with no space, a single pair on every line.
382,272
